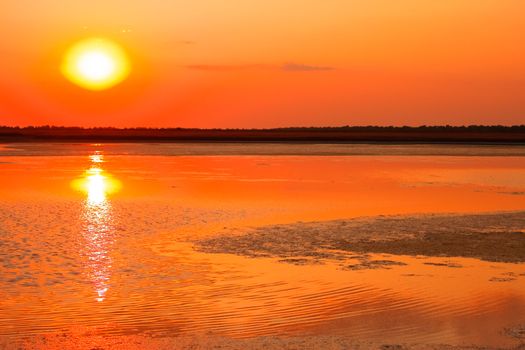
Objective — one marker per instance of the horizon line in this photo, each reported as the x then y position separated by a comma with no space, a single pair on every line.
371,126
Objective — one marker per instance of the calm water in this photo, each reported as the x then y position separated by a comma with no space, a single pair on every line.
102,235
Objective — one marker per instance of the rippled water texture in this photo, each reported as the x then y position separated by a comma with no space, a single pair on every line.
242,241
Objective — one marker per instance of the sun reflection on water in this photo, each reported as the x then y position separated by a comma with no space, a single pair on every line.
97,223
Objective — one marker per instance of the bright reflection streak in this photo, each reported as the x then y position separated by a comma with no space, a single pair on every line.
97,186
98,235
98,230
96,183
96,158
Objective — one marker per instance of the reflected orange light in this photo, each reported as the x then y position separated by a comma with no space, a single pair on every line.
97,184
97,223
96,158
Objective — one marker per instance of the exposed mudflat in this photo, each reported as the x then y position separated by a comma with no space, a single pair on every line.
498,237
517,331
90,340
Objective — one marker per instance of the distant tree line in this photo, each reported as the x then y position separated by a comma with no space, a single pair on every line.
347,133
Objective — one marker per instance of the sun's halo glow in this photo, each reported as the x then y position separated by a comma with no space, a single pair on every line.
97,184
96,64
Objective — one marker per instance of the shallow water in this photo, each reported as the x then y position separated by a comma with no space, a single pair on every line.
103,235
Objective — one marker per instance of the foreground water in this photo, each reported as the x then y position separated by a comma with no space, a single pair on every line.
242,241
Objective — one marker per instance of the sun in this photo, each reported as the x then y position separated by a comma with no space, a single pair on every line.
96,64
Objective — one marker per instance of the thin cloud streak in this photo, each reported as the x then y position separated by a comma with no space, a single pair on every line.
299,67
287,67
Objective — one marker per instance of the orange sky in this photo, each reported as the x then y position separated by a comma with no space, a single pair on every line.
247,63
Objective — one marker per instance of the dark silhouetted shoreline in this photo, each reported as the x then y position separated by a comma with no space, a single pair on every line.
422,134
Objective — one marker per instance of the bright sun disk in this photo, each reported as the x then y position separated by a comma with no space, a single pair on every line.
96,64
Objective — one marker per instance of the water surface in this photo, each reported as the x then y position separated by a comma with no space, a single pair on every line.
109,236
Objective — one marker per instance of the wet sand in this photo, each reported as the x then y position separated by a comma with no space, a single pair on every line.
498,237
90,340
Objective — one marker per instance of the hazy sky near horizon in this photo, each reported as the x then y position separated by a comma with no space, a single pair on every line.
248,63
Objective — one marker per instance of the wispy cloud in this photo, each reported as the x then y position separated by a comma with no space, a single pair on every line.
287,67
300,67
226,67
